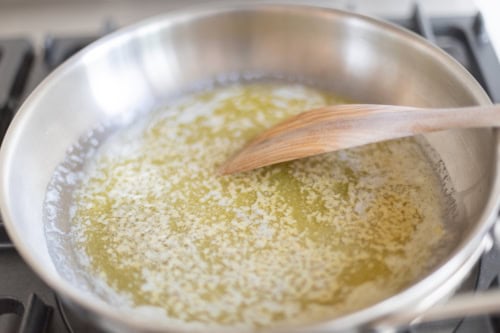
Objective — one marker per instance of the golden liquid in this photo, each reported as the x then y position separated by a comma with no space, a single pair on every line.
293,242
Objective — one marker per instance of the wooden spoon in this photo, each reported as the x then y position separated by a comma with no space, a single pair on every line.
338,127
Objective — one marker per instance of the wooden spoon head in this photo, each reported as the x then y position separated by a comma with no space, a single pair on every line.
319,131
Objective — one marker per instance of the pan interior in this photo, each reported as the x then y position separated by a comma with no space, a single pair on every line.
370,272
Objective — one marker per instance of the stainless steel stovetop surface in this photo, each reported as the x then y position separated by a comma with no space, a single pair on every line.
36,18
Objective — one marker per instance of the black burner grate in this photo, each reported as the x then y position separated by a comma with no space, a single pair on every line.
465,39
16,56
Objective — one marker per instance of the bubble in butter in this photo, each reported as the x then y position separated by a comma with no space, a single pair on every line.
291,243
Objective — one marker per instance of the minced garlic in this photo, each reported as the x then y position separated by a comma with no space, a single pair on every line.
293,242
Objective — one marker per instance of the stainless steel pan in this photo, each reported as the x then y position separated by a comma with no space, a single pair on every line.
141,66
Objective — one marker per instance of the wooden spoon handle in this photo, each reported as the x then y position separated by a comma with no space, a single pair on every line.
344,126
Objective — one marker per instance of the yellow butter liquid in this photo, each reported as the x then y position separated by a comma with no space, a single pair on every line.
293,242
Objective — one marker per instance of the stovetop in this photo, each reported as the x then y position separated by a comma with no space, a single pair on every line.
28,305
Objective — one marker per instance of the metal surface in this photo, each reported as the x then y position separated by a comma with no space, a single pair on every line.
139,67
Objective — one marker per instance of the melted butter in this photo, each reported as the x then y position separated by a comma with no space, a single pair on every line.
293,242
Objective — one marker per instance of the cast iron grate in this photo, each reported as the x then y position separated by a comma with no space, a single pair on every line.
14,317
465,39
16,56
